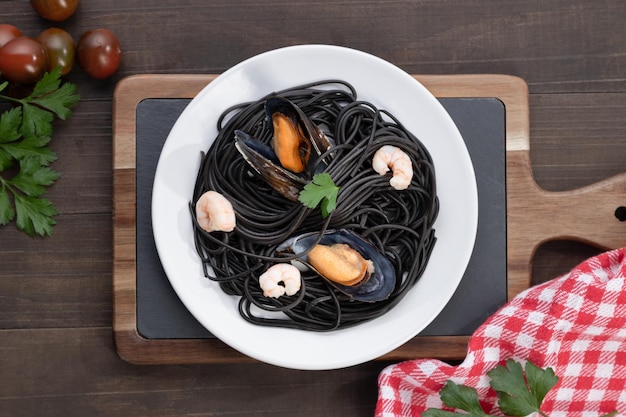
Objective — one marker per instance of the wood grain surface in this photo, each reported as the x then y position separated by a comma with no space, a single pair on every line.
57,355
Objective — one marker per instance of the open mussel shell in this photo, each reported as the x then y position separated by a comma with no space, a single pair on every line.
312,133
380,283
264,161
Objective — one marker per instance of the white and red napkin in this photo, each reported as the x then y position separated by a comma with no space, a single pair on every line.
575,324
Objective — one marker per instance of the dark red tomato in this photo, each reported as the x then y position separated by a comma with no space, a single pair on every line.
99,53
55,10
23,60
8,32
60,48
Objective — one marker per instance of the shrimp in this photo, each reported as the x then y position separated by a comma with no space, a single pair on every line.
286,274
215,213
395,158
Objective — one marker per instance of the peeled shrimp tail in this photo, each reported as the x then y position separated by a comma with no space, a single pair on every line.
215,213
394,158
280,279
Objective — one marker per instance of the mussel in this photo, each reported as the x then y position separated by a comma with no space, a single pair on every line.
264,161
293,132
347,261
296,146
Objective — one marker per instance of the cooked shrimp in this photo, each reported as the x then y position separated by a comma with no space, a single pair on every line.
280,279
215,213
395,158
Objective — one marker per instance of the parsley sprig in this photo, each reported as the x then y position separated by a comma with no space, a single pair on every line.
320,191
520,392
25,158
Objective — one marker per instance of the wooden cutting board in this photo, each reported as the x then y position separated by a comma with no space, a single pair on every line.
591,214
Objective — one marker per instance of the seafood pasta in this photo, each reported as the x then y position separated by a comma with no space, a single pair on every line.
349,255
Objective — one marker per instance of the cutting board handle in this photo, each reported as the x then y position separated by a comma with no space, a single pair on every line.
594,215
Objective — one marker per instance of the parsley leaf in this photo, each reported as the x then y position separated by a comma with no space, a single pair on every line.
10,122
25,131
6,210
457,396
47,100
33,177
34,215
322,190
520,395
520,392
25,148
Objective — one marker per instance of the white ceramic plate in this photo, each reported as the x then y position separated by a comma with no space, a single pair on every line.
387,87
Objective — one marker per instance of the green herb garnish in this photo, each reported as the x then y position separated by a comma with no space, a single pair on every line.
25,131
520,392
320,191
519,395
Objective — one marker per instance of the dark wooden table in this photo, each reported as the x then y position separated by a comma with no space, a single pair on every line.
57,356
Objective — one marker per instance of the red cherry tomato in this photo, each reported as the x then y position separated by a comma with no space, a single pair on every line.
55,10
99,53
60,48
8,32
23,60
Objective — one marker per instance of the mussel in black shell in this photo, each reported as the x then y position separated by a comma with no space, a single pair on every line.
347,261
296,146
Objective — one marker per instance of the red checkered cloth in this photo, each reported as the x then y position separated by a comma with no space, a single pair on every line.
575,324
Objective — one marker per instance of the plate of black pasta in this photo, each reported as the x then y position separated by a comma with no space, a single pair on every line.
314,207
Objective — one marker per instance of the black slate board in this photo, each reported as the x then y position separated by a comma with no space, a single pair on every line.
483,289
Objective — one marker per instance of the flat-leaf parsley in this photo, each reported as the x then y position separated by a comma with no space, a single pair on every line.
25,131
321,190
520,392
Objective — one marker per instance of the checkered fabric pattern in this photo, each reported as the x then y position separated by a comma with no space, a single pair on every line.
575,324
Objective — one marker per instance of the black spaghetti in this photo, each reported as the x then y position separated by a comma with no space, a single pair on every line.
398,223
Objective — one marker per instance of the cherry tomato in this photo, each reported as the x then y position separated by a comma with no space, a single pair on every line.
55,10
8,32
23,60
99,53
60,48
